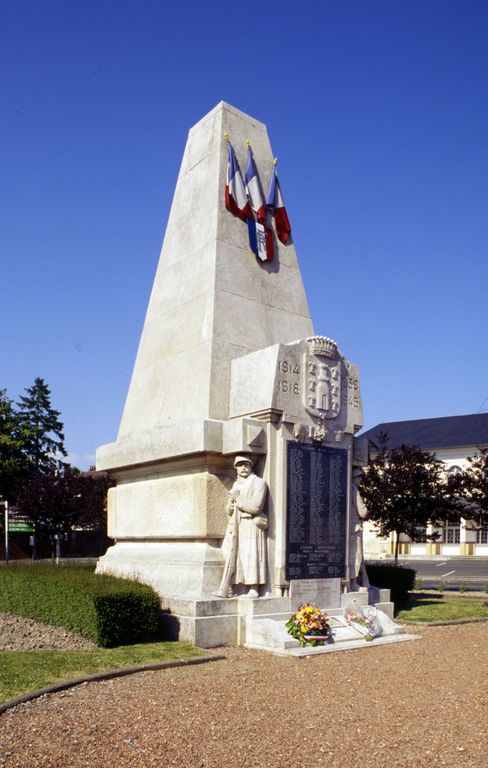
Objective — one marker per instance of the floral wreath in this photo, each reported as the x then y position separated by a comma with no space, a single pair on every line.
309,625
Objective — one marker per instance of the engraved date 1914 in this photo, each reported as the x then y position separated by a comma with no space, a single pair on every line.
289,373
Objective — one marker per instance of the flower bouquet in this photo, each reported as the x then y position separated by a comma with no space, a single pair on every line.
309,625
363,620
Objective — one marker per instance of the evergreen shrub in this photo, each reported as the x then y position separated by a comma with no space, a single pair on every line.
107,610
399,579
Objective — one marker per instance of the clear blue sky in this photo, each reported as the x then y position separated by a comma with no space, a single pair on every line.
378,112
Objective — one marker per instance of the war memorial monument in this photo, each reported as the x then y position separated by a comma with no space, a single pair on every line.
236,454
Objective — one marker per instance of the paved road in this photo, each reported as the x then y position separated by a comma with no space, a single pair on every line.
455,571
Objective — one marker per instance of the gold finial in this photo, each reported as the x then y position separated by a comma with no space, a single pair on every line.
275,161
247,143
226,136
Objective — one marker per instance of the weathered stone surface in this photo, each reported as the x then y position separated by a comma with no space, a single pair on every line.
178,568
319,592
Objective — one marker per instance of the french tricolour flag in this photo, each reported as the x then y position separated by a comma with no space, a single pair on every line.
254,189
277,208
235,194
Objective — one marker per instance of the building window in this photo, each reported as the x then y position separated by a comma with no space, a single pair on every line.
451,534
482,536
420,535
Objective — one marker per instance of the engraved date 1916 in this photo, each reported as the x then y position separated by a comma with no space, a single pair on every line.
288,374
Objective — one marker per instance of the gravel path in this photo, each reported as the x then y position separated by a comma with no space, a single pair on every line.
418,704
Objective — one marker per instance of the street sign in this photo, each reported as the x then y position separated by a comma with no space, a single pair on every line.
17,527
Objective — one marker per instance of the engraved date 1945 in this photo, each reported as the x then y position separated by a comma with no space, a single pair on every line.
350,392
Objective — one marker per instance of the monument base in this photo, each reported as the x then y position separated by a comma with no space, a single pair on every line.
260,623
338,644
214,622
187,569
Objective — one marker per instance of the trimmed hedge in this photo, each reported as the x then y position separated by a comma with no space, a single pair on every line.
107,610
399,579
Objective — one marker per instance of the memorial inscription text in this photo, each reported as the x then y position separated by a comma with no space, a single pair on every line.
316,519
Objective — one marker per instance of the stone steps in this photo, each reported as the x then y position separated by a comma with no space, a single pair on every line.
260,623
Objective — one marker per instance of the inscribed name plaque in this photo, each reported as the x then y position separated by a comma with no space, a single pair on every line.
324,593
316,511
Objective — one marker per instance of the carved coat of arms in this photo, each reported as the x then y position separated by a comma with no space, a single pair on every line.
322,374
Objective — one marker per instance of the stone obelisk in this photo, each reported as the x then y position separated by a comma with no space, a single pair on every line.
212,302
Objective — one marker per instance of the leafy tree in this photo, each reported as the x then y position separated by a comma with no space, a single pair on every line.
49,501
405,488
13,465
472,485
43,431
92,489
57,501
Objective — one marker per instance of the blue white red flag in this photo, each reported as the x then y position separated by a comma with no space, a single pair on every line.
253,188
276,206
235,194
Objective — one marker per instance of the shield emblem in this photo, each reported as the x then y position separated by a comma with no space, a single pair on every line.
322,385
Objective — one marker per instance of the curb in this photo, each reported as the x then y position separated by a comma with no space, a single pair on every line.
474,620
108,675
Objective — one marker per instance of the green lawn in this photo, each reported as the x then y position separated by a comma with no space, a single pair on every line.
432,607
24,671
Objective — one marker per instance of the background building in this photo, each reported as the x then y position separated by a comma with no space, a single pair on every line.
453,439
